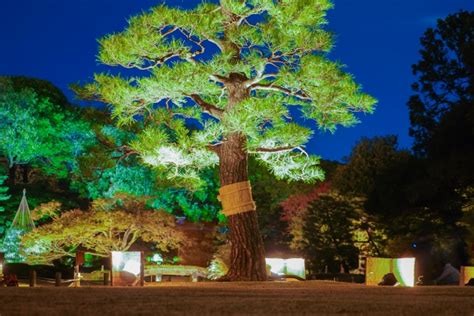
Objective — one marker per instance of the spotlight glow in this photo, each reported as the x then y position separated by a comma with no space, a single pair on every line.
402,268
293,266
126,267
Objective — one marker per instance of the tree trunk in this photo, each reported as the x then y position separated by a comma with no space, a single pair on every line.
12,175
25,172
247,251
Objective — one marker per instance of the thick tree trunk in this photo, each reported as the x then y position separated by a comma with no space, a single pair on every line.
247,251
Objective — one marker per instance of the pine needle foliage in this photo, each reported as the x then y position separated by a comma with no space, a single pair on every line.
188,59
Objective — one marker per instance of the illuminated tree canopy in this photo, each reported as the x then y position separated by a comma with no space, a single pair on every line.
193,57
38,132
245,73
107,227
110,168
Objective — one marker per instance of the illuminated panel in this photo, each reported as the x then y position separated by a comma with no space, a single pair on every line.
375,269
277,265
404,270
294,266
126,268
467,273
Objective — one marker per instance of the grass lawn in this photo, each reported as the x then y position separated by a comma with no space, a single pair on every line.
268,298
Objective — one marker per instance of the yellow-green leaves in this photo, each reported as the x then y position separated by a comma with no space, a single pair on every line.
107,227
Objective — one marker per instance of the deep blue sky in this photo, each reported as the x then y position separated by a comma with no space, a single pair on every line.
378,40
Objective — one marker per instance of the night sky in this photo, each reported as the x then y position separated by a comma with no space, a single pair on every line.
378,40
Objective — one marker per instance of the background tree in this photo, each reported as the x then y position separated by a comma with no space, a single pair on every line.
467,222
44,90
318,219
380,172
442,123
294,210
38,133
330,233
445,83
107,227
3,191
442,110
419,215
235,69
269,193
11,245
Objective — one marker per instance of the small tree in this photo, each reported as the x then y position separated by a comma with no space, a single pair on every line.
331,229
294,210
328,233
100,231
11,245
21,224
235,69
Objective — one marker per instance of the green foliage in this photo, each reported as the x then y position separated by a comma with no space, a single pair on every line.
11,245
413,200
110,168
174,155
36,132
332,229
232,67
199,205
377,170
335,231
268,193
442,120
44,90
3,191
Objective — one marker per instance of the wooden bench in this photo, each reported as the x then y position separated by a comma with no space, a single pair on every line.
193,272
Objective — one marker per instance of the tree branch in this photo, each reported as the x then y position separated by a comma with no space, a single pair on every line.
273,150
154,62
207,107
260,77
279,150
271,87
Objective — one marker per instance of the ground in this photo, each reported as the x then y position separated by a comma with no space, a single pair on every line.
264,298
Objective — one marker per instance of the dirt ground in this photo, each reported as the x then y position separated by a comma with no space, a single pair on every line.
268,298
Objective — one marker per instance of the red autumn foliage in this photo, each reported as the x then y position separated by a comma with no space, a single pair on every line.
295,204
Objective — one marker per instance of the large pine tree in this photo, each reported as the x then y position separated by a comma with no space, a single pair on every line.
243,72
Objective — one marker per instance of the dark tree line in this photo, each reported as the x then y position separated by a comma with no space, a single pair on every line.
418,202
